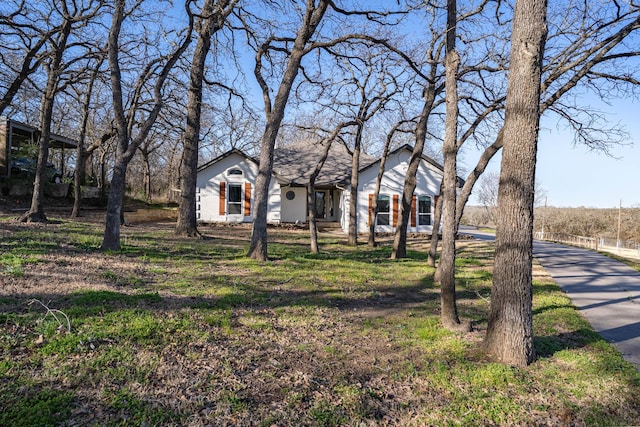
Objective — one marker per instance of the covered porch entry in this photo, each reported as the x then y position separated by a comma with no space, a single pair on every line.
295,204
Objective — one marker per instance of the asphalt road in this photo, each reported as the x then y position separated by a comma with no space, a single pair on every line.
606,291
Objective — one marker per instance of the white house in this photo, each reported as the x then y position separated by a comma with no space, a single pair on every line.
225,188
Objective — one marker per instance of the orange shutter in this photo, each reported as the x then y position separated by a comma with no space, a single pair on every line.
413,211
370,209
247,199
395,210
223,197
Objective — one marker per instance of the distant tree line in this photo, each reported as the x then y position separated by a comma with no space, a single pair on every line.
580,221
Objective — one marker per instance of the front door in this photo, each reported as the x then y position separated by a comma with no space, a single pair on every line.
321,198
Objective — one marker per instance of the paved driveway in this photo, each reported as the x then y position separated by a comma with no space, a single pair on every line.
605,290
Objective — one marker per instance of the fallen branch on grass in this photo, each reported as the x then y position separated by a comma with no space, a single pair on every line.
54,312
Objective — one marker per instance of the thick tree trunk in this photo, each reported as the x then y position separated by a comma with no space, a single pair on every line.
258,246
211,22
36,212
510,328
111,240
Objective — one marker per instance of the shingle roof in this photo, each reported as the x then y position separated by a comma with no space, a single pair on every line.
294,163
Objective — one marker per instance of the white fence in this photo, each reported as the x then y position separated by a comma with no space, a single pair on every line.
621,247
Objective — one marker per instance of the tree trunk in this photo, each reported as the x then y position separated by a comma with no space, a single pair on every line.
125,147
510,327
211,22
433,244
78,178
111,240
448,306
274,114
313,226
147,176
400,237
103,176
353,190
36,211
376,191
258,246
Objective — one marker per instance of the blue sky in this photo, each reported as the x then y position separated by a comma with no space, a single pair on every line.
573,176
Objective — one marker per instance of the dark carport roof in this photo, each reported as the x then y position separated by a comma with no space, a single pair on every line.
22,133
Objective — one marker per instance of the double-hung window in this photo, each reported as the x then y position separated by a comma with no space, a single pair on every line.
424,210
234,200
384,209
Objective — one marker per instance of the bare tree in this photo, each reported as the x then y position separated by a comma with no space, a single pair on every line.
212,17
287,53
431,99
73,16
510,328
274,112
313,226
586,49
83,151
374,89
448,305
24,45
157,68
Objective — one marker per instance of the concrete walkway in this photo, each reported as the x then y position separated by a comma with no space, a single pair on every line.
606,291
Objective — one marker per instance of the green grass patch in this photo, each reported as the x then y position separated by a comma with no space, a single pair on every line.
35,407
13,264
174,331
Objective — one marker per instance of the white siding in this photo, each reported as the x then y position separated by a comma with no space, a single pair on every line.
295,209
427,183
208,190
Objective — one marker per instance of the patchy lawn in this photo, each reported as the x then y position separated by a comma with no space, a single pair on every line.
175,331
